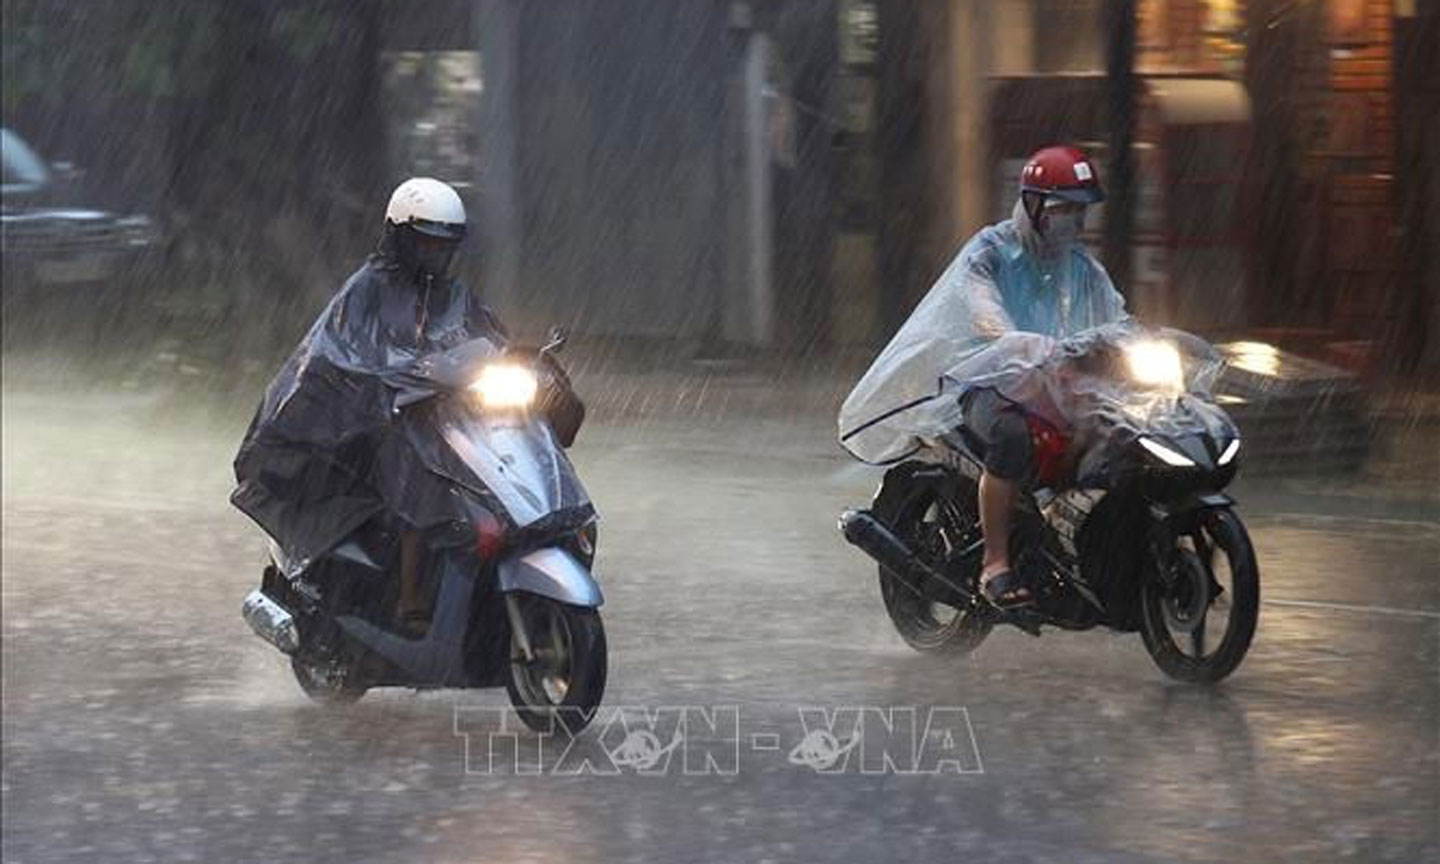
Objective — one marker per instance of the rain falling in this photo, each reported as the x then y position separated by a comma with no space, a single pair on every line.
659,430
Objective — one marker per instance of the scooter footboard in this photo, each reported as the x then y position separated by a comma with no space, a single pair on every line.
552,573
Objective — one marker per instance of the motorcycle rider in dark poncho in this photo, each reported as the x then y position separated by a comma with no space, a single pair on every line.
992,324
326,451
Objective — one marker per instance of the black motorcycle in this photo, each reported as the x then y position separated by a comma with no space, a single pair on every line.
508,580
1134,534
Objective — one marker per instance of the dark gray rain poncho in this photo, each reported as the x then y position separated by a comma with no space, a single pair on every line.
325,451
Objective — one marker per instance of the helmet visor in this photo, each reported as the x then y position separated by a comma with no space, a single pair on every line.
1091,194
440,230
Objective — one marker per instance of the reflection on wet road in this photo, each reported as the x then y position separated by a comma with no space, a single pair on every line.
142,721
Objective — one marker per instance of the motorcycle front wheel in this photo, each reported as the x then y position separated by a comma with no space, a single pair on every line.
562,683
1197,622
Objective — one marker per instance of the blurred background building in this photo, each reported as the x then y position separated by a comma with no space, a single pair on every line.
1277,144
780,175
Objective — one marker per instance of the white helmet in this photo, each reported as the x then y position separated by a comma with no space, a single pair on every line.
429,206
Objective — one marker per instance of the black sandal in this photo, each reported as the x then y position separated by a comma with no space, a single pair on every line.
1006,590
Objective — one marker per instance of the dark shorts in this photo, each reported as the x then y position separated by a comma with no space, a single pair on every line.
1003,432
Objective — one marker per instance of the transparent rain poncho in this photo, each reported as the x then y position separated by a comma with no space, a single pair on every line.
1003,317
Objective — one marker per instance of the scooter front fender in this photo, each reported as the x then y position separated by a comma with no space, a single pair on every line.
552,573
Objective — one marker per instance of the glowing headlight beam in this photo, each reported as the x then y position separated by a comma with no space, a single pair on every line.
1229,453
1155,363
502,385
1166,455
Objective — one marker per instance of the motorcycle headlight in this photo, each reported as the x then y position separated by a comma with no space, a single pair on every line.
1155,363
1229,452
504,385
1170,457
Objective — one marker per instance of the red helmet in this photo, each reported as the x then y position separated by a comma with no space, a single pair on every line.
1065,173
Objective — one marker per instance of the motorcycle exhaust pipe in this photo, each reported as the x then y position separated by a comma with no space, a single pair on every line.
271,621
870,535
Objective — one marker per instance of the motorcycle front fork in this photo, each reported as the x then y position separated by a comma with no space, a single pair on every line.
517,627
1161,542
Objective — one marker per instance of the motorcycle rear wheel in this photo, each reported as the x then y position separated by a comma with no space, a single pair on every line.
561,687
1220,531
928,520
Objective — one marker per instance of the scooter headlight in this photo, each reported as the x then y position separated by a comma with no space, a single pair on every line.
1170,457
505,385
1155,363
1229,452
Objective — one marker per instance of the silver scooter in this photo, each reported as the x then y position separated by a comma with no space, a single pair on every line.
506,564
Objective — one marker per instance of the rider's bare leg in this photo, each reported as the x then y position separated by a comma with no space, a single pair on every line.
998,497
997,510
1006,433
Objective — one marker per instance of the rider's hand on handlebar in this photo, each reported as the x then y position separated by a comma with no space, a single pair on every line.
1084,355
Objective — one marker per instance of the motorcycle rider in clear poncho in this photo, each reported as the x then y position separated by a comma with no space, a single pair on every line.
980,349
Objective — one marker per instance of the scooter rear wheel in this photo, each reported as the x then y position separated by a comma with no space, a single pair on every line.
326,685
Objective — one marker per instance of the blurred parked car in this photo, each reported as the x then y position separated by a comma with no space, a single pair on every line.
50,235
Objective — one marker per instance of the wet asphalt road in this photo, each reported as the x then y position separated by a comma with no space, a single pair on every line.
143,722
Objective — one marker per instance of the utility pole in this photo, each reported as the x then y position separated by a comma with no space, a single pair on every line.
1119,23
899,150
499,130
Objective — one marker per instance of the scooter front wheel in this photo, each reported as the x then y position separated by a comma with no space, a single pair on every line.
560,680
